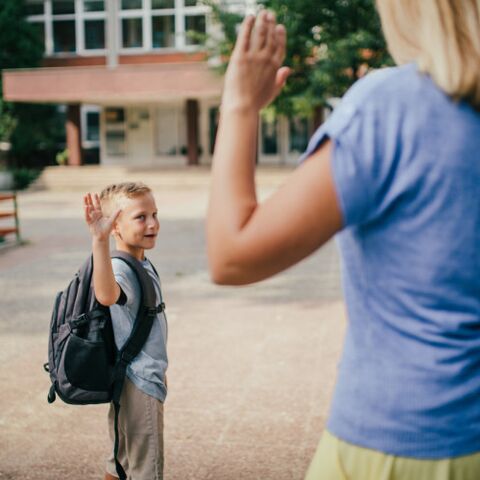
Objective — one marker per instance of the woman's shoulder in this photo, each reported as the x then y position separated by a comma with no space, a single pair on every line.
387,84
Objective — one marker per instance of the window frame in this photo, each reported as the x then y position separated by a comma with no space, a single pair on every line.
79,17
146,14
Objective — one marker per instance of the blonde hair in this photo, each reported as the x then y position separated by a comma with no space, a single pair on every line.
110,196
442,37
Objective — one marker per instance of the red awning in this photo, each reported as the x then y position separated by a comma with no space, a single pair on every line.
102,85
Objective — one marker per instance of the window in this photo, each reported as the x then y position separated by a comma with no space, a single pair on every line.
80,26
163,31
269,137
94,34
131,4
195,28
298,134
116,145
63,26
158,4
65,29
93,20
132,33
115,131
62,7
64,40
114,116
93,5
35,7
155,24
213,118
171,131
93,126
39,28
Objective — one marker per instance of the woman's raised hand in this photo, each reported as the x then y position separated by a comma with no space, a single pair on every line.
255,75
99,225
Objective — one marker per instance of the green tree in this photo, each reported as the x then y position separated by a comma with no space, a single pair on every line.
330,44
29,128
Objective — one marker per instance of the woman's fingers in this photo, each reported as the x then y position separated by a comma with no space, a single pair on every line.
271,39
280,44
259,35
280,79
243,40
282,75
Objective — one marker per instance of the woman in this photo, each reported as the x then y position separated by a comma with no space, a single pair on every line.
395,171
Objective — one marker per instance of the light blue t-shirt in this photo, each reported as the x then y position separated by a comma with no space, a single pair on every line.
406,166
147,370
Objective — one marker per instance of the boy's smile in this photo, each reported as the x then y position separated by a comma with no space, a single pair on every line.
137,226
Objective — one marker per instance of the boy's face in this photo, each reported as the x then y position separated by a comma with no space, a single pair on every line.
137,226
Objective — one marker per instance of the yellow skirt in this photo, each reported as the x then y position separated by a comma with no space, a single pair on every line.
339,460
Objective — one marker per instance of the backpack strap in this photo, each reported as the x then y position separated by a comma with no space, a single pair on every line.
147,312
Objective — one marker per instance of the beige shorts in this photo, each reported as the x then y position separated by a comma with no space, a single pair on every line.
140,435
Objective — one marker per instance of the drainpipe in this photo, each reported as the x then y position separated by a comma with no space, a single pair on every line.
112,33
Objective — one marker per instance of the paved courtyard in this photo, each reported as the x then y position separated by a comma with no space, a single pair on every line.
251,369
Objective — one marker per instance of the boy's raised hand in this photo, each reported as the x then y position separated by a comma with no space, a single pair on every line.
100,226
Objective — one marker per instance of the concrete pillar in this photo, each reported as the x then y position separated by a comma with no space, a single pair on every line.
74,135
283,138
192,132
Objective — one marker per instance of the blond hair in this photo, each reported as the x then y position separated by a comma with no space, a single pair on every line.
111,195
442,37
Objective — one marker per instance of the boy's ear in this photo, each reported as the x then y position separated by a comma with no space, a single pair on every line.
114,231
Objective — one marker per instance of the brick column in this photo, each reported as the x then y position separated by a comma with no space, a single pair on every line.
192,132
74,135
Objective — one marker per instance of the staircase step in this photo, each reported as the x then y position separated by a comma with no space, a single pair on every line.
7,214
95,177
7,231
7,196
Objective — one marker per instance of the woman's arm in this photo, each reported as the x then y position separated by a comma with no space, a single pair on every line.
248,242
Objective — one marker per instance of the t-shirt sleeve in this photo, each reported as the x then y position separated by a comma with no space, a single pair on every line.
359,165
123,278
122,299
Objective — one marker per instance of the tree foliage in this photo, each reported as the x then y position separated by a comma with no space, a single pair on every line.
330,44
29,128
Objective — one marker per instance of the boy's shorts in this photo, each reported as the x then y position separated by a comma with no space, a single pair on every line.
140,426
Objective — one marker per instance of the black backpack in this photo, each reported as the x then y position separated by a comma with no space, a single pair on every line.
84,364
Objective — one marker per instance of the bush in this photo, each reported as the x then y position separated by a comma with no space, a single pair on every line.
23,177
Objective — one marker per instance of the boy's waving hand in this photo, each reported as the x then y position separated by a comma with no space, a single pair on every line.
100,226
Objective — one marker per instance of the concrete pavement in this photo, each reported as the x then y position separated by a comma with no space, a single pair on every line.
251,369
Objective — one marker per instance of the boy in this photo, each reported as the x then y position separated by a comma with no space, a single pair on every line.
128,212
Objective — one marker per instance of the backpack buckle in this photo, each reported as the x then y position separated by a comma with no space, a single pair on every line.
126,357
81,320
152,311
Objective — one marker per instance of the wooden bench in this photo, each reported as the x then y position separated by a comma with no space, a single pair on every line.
11,213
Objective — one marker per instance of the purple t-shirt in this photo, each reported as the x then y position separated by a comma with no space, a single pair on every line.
406,166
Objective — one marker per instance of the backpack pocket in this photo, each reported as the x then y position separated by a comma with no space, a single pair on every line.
87,364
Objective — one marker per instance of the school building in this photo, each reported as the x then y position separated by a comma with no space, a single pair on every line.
136,84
